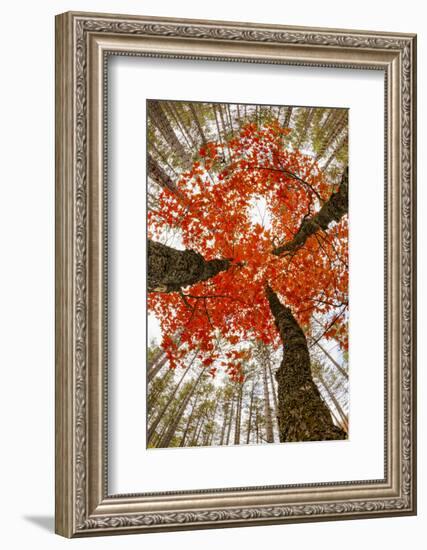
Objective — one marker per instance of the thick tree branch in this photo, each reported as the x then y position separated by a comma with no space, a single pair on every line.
169,269
333,210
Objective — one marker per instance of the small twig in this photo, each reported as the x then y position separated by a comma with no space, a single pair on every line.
328,327
186,302
207,315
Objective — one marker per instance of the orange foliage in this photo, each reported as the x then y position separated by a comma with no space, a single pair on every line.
240,202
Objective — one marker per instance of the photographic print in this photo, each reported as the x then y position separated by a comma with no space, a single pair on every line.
247,239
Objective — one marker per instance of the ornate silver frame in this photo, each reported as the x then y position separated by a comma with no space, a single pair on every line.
83,42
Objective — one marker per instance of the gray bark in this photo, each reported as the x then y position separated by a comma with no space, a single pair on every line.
230,422
303,416
156,421
273,391
151,373
153,396
157,174
238,415
224,423
267,407
334,400
161,121
251,404
169,269
166,439
190,418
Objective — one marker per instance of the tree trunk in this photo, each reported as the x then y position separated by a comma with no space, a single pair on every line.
190,418
212,433
161,121
225,130
287,117
196,120
157,437
238,415
273,391
303,416
157,174
328,355
267,407
196,431
334,400
217,125
170,269
178,121
151,373
257,425
153,396
224,423
248,435
155,357
167,438
158,418
195,441
154,366
230,422
205,437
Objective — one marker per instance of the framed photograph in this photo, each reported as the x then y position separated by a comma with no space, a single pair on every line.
235,274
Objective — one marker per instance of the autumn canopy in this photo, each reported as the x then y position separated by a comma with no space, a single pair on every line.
263,250
216,213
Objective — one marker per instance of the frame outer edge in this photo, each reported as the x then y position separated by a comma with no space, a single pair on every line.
64,276
72,399
413,252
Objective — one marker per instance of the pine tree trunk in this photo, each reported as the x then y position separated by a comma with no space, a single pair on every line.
190,418
155,358
167,438
217,124
238,415
267,407
196,440
196,432
156,421
248,435
196,120
303,416
178,121
224,423
153,396
151,373
212,433
257,425
157,437
157,174
334,400
161,121
154,366
273,391
329,356
287,117
205,438
230,422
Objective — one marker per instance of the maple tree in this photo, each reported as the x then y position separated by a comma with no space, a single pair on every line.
264,247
